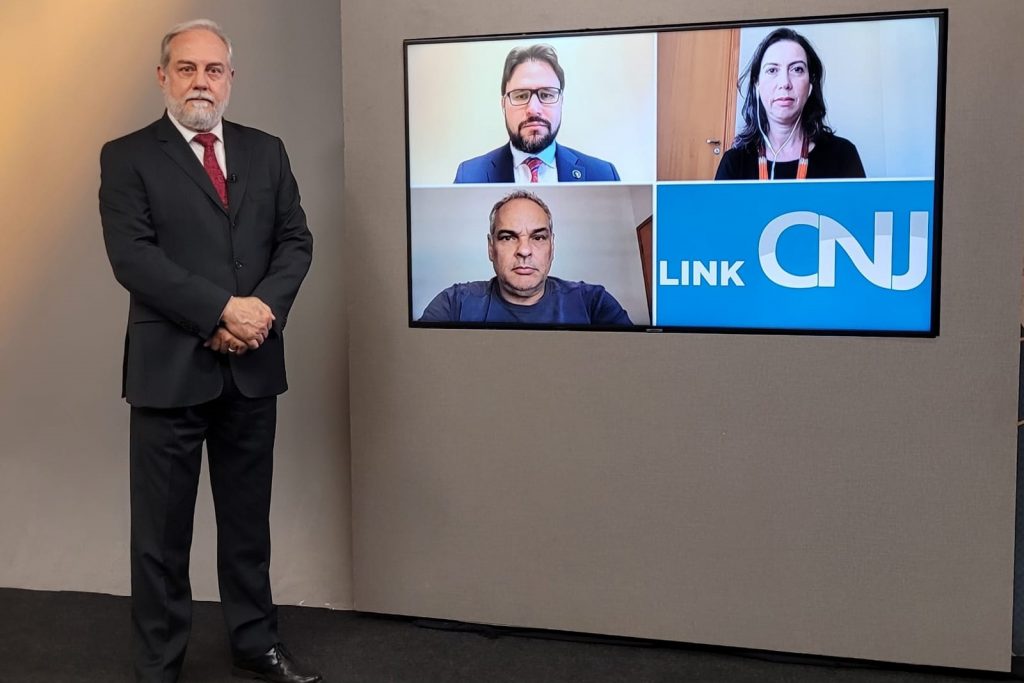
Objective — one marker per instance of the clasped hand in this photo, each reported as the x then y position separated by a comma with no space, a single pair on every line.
245,324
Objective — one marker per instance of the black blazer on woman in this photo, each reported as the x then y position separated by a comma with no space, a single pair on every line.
832,157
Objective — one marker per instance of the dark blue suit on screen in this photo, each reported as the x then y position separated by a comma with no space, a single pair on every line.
573,167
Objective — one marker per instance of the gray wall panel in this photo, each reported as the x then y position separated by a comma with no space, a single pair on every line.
839,496
90,69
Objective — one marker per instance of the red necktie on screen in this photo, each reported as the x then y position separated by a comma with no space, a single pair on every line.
534,164
208,140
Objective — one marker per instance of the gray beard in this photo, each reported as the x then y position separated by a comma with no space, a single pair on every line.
201,120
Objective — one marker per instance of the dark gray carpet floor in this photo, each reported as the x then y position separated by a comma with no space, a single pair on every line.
84,638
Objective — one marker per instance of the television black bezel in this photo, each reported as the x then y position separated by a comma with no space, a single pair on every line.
941,14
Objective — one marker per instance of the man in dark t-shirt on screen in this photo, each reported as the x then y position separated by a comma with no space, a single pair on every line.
520,245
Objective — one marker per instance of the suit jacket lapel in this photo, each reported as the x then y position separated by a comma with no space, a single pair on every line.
569,168
237,156
501,166
174,146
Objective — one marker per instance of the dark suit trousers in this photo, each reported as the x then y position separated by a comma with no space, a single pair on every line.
166,459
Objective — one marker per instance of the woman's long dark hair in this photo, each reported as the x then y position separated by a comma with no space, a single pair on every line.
812,119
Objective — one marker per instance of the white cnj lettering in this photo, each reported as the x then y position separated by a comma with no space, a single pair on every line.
877,271
706,272
730,272
712,273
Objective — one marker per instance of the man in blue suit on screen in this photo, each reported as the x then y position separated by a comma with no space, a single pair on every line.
521,247
532,85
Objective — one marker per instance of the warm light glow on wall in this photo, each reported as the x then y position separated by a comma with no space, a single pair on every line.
75,75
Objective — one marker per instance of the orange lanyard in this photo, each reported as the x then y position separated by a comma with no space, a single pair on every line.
762,163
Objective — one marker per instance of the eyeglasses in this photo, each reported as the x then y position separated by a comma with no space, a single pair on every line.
519,97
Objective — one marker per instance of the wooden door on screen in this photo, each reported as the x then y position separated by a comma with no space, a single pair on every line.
697,72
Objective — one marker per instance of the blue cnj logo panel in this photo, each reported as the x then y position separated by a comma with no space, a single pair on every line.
834,255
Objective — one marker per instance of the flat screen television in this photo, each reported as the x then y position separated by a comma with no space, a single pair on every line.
761,176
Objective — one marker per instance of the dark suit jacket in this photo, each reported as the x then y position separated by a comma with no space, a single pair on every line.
573,167
181,255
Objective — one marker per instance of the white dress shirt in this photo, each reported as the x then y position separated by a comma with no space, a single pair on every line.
547,172
218,147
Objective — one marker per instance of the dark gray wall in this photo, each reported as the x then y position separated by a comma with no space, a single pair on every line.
839,496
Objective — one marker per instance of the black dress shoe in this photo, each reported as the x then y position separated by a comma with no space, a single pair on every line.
275,665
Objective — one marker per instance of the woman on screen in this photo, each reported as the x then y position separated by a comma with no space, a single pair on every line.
785,135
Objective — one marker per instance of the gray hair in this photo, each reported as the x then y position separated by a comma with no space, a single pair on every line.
193,25
519,194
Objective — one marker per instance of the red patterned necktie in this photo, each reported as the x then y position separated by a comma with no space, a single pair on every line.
534,164
208,140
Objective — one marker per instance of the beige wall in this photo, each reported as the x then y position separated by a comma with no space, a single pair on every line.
829,495
78,74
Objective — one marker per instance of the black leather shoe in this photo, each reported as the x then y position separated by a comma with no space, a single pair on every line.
275,665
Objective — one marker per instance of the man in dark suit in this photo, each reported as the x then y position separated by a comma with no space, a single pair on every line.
203,227
532,86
